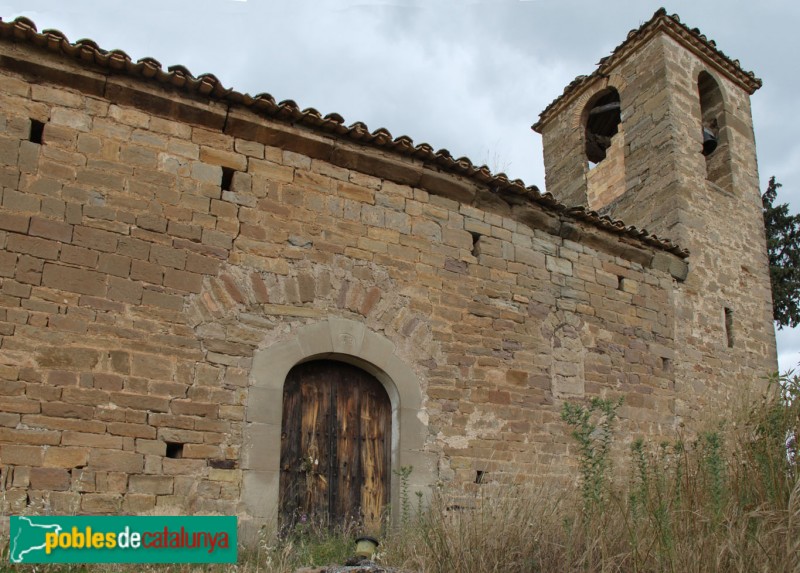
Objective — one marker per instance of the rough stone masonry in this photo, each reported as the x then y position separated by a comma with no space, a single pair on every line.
171,249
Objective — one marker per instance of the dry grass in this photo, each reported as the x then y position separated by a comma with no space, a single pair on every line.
727,501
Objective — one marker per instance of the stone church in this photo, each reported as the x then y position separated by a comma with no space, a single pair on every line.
214,302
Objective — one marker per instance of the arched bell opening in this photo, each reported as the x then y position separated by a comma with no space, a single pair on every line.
602,118
714,135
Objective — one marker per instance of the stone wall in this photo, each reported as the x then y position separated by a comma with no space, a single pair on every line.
149,265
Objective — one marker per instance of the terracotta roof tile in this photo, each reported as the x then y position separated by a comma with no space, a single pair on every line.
671,24
207,85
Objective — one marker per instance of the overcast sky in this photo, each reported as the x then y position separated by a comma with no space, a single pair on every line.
468,76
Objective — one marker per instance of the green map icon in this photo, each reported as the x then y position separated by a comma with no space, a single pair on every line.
28,538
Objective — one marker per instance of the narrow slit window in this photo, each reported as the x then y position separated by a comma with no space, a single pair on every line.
621,284
729,326
475,247
37,131
666,365
479,476
174,450
227,178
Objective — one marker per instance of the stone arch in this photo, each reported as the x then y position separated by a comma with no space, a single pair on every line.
348,341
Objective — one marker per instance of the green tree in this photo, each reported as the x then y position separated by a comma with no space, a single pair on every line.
783,248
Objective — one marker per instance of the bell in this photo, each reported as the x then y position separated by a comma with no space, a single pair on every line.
709,141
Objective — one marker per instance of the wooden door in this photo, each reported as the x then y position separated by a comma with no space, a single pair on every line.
335,446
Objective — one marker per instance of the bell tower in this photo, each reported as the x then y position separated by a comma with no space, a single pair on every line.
660,136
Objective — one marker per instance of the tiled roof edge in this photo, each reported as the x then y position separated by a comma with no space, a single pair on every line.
671,24
88,53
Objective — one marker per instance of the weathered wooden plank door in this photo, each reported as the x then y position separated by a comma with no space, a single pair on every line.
335,445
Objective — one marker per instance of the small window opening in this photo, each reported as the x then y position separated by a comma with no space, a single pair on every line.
475,247
227,178
621,284
37,131
479,475
174,450
602,124
666,364
729,327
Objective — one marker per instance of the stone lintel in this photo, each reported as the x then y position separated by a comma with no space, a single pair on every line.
63,73
402,172
245,124
134,93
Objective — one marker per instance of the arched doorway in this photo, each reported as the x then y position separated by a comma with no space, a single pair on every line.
336,434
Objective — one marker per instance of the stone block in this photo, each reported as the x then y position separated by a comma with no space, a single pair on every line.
148,272
168,256
66,457
356,193
223,158
8,264
14,223
155,485
101,503
50,479
194,408
558,265
34,246
123,290
75,438
115,460
151,447
95,239
74,280
138,503
19,405
119,266
9,420
21,455
205,451
78,256
161,299
131,430
205,173
180,436
188,467
140,401
183,280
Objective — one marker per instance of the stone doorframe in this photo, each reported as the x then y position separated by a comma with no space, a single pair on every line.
339,339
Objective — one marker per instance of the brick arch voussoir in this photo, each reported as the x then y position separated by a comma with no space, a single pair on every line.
615,81
302,293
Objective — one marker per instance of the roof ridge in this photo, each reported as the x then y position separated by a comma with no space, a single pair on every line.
88,53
